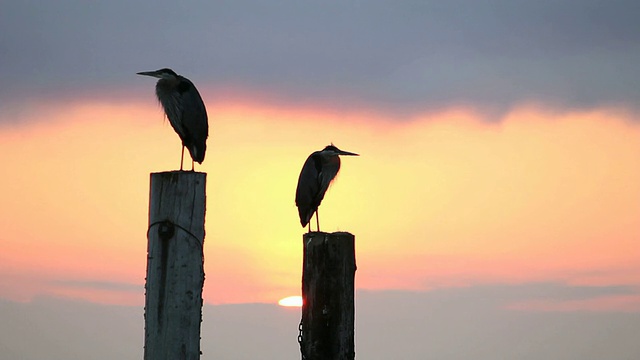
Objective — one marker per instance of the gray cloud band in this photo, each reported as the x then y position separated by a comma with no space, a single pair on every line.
398,56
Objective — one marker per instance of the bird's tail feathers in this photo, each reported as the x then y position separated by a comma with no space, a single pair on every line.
305,216
197,153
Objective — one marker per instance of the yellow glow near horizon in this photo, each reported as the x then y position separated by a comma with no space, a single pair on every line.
291,301
444,200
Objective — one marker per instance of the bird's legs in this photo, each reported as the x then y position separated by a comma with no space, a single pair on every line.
317,222
182,158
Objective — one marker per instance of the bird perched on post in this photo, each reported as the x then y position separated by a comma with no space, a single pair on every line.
185,109
317,174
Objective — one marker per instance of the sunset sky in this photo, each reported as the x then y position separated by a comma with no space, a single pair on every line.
499,142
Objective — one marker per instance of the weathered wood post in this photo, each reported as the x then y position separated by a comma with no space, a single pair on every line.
328,274
175,266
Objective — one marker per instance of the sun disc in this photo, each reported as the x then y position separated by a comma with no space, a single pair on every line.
291,301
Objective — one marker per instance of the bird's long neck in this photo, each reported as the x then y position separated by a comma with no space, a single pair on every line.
333,161
167,97
166,86
331,165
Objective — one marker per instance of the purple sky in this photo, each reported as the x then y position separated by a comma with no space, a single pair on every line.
397,56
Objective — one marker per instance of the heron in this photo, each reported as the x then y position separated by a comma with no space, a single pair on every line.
317,174
185,109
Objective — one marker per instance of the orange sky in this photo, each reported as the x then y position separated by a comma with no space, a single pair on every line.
446,199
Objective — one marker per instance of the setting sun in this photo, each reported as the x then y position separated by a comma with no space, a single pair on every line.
291,301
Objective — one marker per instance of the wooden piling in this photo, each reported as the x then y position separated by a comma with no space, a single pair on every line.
175,266
328,274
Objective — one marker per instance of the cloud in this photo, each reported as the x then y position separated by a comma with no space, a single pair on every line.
403,57
473,323
463,323
508,297
630,303
98,285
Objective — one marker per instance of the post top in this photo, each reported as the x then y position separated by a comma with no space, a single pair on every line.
326,235
336,233
178,172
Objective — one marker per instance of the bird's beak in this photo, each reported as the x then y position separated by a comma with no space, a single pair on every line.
342,152
149,73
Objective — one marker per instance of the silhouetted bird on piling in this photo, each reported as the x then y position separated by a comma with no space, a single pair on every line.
185,109
317,174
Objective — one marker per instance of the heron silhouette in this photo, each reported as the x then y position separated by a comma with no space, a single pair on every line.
318,171
185,109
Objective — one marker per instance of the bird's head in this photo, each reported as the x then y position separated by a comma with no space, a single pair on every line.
332,150
165,73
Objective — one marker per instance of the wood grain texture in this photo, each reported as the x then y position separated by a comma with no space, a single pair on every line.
328,311
175,266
